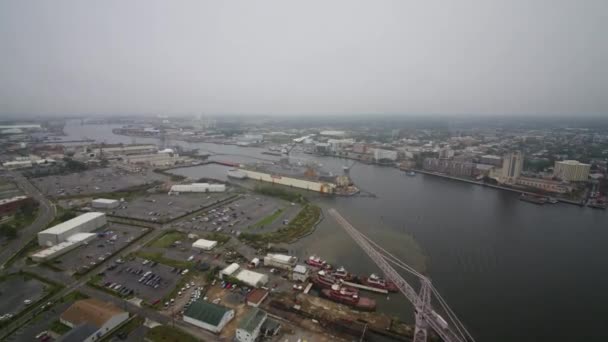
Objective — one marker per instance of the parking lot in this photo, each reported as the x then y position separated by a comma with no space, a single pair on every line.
40,323
19,291
251,213
94,181
164,207
109,240
141,278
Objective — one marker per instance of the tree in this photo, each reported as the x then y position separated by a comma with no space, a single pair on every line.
8,231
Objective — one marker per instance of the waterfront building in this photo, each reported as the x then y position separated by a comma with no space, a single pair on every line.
513,164
571,170
450,167
381,154
491,160
300,273
544,185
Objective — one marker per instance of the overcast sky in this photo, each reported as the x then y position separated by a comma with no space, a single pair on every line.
296,57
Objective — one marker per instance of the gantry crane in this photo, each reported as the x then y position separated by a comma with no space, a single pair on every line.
426,317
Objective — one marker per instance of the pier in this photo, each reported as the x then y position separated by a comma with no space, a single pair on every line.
365,287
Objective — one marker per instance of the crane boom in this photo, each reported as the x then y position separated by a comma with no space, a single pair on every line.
425,316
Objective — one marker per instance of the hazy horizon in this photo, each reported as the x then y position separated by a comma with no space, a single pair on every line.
273,58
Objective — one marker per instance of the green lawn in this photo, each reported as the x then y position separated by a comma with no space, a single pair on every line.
168,239
158,257
165,333
268,219
59,327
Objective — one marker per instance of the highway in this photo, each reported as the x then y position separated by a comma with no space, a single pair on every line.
46,214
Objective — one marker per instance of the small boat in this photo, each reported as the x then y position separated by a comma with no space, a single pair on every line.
323,281
341,273
552,200
597,205
375,281
411,173
533,199
315,261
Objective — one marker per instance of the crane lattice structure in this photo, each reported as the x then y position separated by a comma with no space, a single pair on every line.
426,317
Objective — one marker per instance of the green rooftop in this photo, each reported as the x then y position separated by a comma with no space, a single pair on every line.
206,312
252,320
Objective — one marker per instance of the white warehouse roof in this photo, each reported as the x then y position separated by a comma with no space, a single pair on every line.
105,200
282,258
70,224
231,269
204,244
252,278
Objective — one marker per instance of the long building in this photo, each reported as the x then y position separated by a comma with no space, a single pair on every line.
323,187
571,170
512,165
84,223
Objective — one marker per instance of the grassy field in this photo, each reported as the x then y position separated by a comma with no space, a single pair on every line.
59,327
300,226
165,333
158,257
268,219
168,239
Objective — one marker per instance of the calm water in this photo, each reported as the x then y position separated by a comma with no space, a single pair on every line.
511,270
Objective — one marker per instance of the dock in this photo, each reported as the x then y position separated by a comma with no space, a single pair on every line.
364,287
308,287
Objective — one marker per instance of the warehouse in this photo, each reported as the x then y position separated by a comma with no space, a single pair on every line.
250,278
205,245
63,247
198,187
323,187
209,316
104,203
82,224
280,261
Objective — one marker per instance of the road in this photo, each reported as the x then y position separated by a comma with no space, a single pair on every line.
46,214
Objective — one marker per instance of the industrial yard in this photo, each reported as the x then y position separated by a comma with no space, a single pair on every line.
161,207
95,181
108,241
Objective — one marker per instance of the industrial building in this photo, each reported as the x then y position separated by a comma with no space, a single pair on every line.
103,316
571,170
300,273
10,205
544,185
81,224
250,325
198,187
61,248
124,150
104,203
209,316
381,154
282,261
323,187
250,278
204,245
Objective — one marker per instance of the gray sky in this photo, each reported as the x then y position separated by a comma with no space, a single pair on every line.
295,57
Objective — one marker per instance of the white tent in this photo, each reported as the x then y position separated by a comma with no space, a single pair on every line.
203,244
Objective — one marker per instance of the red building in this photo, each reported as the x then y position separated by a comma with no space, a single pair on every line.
9,205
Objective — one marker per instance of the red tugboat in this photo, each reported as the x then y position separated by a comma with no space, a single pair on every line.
350,297
341,273
375,281
315,261
323,281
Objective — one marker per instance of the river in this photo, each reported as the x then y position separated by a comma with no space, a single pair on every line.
511,270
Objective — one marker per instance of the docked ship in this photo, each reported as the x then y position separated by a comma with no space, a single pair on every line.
349,296
315,261
380,283
342,273
323,281
596,205
533,199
